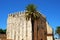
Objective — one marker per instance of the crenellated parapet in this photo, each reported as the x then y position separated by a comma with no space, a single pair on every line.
16,14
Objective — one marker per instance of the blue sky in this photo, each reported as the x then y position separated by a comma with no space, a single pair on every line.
50,8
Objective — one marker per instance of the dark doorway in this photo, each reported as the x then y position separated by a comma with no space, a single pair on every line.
41,39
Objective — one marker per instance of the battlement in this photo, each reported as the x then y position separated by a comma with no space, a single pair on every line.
17,14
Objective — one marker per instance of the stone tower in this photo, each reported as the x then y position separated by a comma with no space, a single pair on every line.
18,28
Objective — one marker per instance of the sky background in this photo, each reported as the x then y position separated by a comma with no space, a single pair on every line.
50,8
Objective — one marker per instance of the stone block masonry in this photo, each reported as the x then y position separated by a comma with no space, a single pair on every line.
18,28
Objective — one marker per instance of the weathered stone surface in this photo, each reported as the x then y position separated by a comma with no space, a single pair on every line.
18,28
49,32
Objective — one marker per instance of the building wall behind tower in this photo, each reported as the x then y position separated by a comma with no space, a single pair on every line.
40,29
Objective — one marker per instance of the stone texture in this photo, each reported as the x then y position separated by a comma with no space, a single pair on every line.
18,28
49,32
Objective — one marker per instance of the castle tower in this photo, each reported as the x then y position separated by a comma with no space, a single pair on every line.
18,28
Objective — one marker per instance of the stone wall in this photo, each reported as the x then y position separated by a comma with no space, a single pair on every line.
18,28
2,36
40,29
49,29
49,32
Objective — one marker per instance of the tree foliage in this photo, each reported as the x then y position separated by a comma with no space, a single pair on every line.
31,8
58,31
2,31
32,12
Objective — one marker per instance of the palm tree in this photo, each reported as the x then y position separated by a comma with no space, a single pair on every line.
33,14
31,8
58,31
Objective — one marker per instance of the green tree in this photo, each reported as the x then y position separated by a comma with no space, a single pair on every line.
2,31
58,31
33,14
